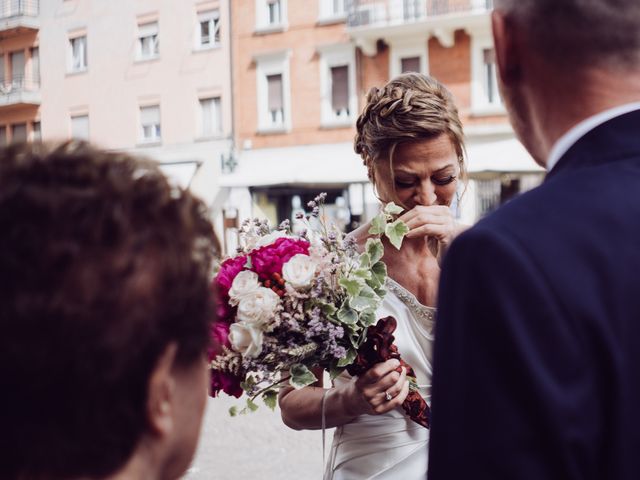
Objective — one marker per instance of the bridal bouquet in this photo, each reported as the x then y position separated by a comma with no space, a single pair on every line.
290,303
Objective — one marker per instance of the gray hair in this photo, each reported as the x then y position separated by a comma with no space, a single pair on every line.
581,32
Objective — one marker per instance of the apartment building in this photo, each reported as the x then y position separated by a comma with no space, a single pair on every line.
301,72
20,93
146,76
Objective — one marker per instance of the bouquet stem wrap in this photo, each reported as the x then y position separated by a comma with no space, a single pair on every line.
379,347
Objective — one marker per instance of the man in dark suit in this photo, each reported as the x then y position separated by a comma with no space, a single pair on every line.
537,352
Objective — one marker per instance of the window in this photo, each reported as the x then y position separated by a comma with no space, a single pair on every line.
78,54
17,69
209,29
410,64
490,80
274,98
408,56
80,127
36,132
19,132
148,42
332,9
485,97
35,65
340,91
414,9
337,79
150,123
3,136
275,13
211,117
271,15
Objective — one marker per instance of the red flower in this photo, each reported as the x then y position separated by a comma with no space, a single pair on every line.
269,259
379,347
225,382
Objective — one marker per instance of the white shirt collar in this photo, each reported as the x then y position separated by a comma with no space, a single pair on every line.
566,141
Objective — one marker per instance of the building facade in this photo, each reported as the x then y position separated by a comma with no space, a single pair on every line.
20,91
146,76
301,73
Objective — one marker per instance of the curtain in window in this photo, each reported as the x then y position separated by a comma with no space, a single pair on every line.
274,83
340,89
410,64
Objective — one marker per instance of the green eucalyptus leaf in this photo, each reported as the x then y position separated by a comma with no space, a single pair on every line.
354,338
365,260
348,358
248,384
374,249
363,273
251,405
347,315
367,299
352,285
328,309
335,372
395,232
379,270
301,376
233,411
270,398
367,319
377,224
393,209
380,291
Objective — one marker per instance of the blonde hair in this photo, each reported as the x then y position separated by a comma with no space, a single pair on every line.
411,107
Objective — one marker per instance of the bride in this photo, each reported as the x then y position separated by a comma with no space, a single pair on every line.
410,138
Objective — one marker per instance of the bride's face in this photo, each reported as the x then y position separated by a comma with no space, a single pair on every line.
425,172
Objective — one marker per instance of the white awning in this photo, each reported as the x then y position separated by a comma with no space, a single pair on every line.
505,155
304,164
338,164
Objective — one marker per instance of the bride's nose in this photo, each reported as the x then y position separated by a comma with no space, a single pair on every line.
426,194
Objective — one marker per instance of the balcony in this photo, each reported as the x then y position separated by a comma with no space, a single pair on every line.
19,16
369,20
19,90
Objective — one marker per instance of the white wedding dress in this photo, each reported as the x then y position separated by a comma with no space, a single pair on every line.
390,446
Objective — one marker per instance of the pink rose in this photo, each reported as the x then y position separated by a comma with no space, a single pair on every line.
268,260
228,271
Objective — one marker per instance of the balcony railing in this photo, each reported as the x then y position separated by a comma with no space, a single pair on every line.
20,90
19,8
394,12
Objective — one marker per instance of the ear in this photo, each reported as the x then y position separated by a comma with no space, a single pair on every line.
161,393
507,48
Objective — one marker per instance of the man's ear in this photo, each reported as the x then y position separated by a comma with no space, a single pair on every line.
161,393
507,48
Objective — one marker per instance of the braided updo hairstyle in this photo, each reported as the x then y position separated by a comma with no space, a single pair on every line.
411,107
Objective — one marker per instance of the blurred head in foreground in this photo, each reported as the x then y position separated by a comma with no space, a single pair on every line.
104,317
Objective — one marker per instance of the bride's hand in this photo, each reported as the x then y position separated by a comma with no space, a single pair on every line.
432,221
368,393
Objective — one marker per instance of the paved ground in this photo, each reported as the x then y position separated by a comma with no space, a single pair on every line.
254,446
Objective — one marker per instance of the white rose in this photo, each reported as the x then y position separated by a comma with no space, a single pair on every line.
245,283
246,339
258,307
270,238
299,270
